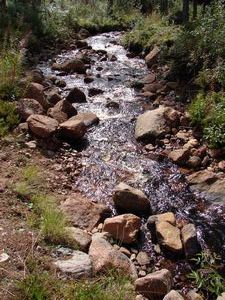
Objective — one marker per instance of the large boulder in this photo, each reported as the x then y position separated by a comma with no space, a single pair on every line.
42,126
152,57
130,200
72,65
81,238
106,258
88,118
190,241
76,96
173,295
156,285
79,265
36,91
62,111
72,129
169,237
221,297
123,228
151,124
27,107
83,213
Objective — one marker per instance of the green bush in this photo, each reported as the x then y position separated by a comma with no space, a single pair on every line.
9,118
207,111
149,31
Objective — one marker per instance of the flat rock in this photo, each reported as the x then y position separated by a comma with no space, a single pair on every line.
79,265
72,129
190,241
154,286
173,295
130,200
62,111
151,124
27,107
83,213
123,228
169,236
42,126
105,258
88,118
81,238
71,65
202,177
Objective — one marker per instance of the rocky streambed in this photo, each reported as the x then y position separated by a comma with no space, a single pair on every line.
120,120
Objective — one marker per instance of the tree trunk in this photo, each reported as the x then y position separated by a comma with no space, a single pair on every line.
3,6
185,11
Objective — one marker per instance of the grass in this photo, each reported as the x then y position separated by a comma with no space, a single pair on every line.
150,31
207,278
45,213
9,117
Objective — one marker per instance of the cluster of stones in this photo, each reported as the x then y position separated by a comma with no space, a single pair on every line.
106,242
166,131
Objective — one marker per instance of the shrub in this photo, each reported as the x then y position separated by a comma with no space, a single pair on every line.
207,278
9,118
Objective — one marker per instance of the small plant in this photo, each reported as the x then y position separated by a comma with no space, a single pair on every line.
207,278
9,118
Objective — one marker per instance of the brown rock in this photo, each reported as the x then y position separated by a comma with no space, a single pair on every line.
173,295
202,177
169,237
150,78
27,107
83,213
153,87
76,96
72,129
36,91
130,200
42,126
62,111
179,156
52,96
192,295
88,118
80,237
143,258
105,258
72,65
190,241
124,228
152,57
155,285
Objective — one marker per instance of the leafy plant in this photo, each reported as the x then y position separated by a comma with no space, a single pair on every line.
207,278
9,117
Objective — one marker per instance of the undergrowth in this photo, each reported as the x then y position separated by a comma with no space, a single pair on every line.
9,117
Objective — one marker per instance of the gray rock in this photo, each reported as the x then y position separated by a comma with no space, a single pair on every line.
27,107
143,258
173,295
79,265
81,238
88,118
190,241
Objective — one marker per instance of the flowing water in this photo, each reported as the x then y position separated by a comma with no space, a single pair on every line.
111,154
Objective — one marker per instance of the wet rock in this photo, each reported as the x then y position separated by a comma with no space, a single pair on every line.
72,129
80,237
83,213
94,92
36,91
143,258
150,78
123,228
83,33
179,156
153,87
42,126
173,295
152,57
27,107
190,241
60,83
36,75
76,96
130,200
169,237
105,258
151,124
112,104
202,177
88,79
192,295
62,111
194,162
88,118
81,44
217,191
72,65
155,285
166,217
79,265
52,96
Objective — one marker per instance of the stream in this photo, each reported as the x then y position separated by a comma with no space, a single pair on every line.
110,153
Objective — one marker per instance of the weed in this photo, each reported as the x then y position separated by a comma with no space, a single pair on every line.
9,118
